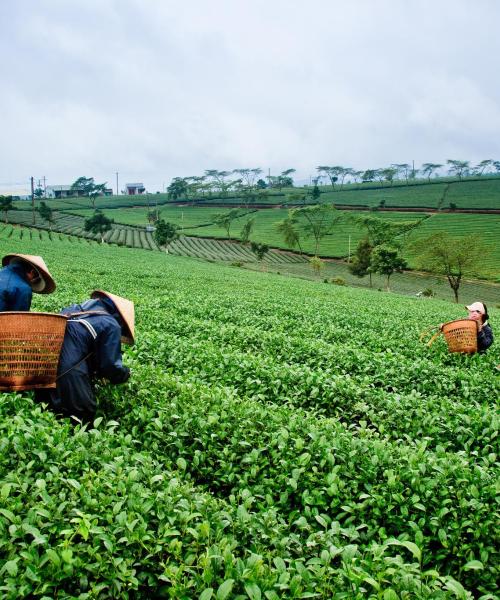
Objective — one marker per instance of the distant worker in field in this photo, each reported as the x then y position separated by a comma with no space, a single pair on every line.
21,275
91,350
479,313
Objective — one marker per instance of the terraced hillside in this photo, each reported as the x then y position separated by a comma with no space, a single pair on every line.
278,439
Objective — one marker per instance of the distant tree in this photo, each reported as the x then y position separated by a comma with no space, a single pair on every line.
316,221
218,180
429,168
248,195
5,206
453,206
482,166
386,260
165,233
403,169
382,231
225,220
315,193
458,167
361,261
451,256
288,229
46,213
388,174
153,215
330,172
177,189
247,229
38,193
496,164
248,176
316,264
99,224
260,250
261,184
282,180
356,175
88,187
368,175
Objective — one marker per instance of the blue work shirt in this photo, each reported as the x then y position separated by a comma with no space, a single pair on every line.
15,291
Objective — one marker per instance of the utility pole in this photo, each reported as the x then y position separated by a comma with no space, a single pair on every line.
33,200
117,183
44,187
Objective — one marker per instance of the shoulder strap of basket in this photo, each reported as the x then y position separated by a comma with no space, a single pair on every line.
434,337
86,312
91,330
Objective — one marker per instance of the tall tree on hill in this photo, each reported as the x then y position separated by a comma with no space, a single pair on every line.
451,256
429,168
390,235
99,224
328,172
247,229
460,168
316,221
86,186
361,261
165,233
47,214
177,189
386,260
5,206
289,230
225,220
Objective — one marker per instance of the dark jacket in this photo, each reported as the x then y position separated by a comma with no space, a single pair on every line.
15,291
91,349
484,338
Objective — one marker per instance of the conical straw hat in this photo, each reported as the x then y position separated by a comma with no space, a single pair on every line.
45,284
125,308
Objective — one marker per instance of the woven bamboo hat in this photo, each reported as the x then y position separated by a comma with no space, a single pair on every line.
125,308
44,284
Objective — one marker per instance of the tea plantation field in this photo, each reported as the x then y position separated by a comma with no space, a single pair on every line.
278,438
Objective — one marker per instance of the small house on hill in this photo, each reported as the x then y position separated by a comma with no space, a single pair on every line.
65,191
134,189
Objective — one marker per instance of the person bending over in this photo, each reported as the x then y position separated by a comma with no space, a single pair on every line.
91,350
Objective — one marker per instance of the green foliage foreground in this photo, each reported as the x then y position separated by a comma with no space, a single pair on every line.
278,439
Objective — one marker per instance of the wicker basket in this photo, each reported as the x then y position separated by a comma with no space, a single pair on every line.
461,335
30,344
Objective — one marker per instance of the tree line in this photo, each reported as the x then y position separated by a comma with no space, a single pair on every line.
249,181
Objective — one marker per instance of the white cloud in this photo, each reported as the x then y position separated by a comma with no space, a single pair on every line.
162,89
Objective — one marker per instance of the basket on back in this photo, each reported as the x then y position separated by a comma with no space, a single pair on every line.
30,344
461,335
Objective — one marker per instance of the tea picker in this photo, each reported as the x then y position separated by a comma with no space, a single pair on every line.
91,350
21,275
470,335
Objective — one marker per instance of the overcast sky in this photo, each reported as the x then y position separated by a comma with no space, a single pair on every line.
155,89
